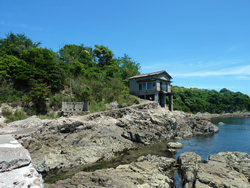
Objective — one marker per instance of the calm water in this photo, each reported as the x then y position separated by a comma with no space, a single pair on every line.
234,135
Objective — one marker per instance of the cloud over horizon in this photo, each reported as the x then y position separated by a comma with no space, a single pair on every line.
241,71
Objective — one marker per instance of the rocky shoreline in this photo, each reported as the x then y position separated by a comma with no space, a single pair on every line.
225,169
68,142
226,115
85,140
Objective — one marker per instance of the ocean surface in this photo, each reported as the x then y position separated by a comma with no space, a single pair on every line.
234,135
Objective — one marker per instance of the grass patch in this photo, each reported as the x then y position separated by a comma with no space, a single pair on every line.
19,114
97,107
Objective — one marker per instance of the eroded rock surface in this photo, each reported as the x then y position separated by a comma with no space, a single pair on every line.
225,169
147,171
67,142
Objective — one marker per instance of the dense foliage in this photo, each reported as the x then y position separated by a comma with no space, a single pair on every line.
40,79
201,100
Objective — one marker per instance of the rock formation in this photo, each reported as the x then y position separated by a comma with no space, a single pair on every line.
225,169
147,171
67,142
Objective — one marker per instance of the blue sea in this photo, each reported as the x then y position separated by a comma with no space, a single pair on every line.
234,135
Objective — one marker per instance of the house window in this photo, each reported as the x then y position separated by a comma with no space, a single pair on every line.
164,86
147,86
143,86
150,85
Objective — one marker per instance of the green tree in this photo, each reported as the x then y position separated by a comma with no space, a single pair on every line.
15,70
15,44
39,93
77,57
104,56
46,68
128,67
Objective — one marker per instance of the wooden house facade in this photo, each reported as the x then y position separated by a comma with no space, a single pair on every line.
153,86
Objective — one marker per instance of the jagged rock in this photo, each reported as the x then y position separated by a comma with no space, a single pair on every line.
189,165
239,161
147,171
25,126
67,142
225,169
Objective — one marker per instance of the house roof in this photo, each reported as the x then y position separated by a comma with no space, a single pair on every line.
150,74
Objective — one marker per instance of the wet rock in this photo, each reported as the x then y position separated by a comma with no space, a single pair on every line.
147,171
225,169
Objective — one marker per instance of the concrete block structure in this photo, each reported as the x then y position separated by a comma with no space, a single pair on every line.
153,86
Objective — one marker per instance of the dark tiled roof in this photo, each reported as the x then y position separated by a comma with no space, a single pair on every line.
149,74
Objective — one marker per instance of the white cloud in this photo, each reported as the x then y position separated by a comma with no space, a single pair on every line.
240,71
244,77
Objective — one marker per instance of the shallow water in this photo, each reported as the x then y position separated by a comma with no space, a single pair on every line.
234,135
125,157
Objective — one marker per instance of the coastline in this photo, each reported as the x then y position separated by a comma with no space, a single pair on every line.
234,114
69,142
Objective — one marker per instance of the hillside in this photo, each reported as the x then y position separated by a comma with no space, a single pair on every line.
39,79
202,100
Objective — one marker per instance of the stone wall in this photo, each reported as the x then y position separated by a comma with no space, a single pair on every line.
74,106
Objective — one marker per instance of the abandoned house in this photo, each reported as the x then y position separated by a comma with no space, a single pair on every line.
153,86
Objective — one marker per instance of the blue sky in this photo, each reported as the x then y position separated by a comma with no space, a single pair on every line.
200,43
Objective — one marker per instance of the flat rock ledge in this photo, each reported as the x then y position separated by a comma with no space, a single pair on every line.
225,169
148,171
16,169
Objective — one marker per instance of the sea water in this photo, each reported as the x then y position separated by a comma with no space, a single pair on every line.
234,135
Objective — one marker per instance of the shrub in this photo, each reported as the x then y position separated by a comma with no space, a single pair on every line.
97,106
18,115
6,111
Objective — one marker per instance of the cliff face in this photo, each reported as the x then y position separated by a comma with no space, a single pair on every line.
67,142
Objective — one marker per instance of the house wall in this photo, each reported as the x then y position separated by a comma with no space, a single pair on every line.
134,85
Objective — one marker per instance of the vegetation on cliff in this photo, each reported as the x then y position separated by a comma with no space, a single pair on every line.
40,79
203,100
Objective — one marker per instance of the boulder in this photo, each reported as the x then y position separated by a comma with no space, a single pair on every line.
174,145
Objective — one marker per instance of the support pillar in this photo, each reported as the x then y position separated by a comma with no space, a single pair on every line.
157,97
164,100
170,104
